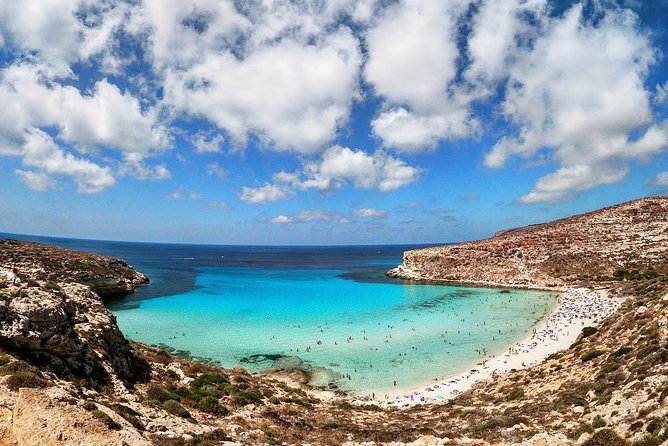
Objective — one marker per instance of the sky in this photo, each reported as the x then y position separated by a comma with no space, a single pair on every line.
326,122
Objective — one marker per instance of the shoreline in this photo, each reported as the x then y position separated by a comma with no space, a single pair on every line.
576,308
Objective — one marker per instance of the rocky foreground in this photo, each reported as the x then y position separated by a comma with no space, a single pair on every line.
69,377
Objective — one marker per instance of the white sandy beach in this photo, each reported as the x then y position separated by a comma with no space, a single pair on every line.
576,308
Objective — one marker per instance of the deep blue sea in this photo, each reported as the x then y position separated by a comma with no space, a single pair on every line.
326,309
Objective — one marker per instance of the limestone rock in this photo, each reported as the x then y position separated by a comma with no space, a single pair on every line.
40,419
630,237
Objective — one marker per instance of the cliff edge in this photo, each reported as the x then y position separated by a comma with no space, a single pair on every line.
617,242
53,317
104,275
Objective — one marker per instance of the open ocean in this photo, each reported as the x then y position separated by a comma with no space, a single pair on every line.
326,309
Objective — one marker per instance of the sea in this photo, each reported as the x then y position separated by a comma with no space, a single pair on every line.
327,310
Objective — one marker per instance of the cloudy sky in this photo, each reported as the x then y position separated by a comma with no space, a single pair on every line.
326,122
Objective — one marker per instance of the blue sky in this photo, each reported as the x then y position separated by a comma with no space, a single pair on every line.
340,122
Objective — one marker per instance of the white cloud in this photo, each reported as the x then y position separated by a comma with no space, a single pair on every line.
292,95
60,33
566,181
41,152
338,165
176,195
410,132
493,44
264,194
370,213
39,181
412,65
208,145
135,166
214,169
281,220
309,216
660,180
579,90
661,94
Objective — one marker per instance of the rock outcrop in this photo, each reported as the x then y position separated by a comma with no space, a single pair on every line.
105,275
619,241
66,329
53,317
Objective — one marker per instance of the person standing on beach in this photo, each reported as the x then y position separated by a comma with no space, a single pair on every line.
15,274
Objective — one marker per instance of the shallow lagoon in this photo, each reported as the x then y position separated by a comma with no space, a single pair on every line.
359,335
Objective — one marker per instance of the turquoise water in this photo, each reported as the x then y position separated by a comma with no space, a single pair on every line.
359,336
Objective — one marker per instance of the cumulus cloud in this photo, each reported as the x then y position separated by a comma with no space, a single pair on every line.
214,169
134,165
309,216
105,117
41,152
661,94
412,65
579,90
660,180
370,213
39,181
339,165
264,194
293,96
281,220
335,168
204,144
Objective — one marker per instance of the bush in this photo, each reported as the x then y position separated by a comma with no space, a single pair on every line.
211,405
648,440
175,408
106,419
591,354
16,366
25,379
605,437
89,405
588,331
598,422
158,393
621,351
243,397
584,427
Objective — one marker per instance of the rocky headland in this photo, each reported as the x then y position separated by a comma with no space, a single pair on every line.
69,377
626,239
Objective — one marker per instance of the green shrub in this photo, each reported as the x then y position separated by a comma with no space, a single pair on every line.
588,331
25,379
158,393
89,405
621,351
584,427
495,423
16,366
106,419
211,405
591,354
605,437
175,408
598,422
648,440
250,396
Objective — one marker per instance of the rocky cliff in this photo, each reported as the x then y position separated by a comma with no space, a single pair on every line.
103,274
621,241
52,317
